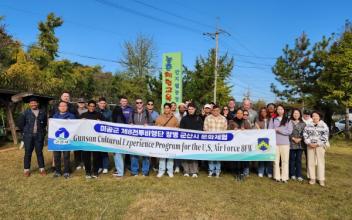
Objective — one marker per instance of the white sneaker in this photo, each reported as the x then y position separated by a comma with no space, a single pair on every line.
260,175
300,179
105,171
270,176
171,175
78,167
177,170
186,174
100,170
195,175
210,174
217,175
293,177
160,175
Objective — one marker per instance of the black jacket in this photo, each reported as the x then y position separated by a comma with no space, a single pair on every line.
117,115
26,122
192,122
93,116
70,108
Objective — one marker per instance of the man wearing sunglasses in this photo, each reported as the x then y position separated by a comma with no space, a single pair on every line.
140,116
150,107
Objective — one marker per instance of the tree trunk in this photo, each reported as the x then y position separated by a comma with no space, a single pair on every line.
347,125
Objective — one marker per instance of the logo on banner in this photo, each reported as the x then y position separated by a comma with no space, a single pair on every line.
263,144
62,136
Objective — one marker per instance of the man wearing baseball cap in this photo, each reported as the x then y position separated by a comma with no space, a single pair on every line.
32,123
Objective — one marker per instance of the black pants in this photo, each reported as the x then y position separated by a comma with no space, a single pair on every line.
240,167
31,142
78,157
87,158
57,158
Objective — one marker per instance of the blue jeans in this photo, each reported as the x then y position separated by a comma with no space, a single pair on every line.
135,165
119,164
166,164
214,167
296,162
265,167
105,160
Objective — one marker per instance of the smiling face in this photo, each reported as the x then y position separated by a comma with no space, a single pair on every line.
280,111
123,102
239,114
33,105
315,118
215,112
91,107
296,115
150,105
191,110
63,107
167,109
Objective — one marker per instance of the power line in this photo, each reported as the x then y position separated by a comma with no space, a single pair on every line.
132,11
172,14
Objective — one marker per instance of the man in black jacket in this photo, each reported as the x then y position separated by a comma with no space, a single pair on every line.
93,115
33,124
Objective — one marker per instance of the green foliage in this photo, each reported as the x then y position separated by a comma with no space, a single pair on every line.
199,84
337,75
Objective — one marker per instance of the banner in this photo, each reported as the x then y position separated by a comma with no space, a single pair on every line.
172,78
152,141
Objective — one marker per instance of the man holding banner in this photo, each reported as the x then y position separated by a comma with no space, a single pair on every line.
215,122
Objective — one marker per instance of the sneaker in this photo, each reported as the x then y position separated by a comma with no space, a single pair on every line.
95,176
242,177
116,174
270,176
100,170
56,174
217,175
300,179
27,173
195,175
322,183
105,171
155,169
135,175
186,175
160,175
284,181
311,182
210,174
42,172
177,169
78,167
88,176
171,175
66,175
293,177
260,175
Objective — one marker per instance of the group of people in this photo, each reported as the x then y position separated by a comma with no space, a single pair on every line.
296,133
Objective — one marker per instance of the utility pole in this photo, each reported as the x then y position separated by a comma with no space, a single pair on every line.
215,36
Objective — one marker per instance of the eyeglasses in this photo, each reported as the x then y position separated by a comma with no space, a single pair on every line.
226,109
139,102
245,114
150,104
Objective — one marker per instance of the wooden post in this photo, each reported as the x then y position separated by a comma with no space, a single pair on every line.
11,123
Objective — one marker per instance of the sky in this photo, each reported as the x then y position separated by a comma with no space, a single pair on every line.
258,31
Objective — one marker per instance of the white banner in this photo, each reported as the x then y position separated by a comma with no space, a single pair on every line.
152,141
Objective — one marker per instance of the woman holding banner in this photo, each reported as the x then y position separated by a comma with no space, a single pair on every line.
283,127
240,123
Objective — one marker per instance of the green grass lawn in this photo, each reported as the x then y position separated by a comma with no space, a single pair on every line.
40,197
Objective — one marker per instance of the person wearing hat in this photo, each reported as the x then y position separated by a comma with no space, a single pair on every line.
81,108
206,111
32,123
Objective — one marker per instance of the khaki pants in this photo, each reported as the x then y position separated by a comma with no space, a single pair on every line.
316,157
283,152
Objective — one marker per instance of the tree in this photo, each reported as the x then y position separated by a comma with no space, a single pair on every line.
337,75
198,84
8,50
47,39
298,70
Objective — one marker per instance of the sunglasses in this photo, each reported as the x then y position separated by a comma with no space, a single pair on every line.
139,102
150,104
226,109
